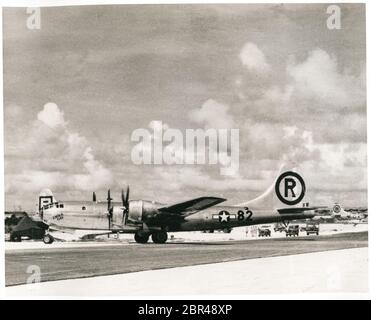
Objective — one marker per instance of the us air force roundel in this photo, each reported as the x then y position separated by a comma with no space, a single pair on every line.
336,208
224,216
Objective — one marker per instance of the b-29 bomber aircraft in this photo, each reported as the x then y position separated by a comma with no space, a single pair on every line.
147,219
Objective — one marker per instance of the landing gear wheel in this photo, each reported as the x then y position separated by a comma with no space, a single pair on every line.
15,237
159,237
48,239
141,238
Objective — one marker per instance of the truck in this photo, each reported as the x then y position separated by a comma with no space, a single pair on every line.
292,231
312,228
264,231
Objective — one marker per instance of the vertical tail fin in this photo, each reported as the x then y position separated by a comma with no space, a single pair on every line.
45,197
274,197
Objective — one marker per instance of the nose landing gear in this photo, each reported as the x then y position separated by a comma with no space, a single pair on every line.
48,239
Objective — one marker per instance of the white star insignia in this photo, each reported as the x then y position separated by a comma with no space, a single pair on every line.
224,217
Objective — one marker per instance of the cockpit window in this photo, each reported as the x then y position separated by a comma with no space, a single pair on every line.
61,205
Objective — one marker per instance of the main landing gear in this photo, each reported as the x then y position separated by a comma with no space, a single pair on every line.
157,237
141,238
48,239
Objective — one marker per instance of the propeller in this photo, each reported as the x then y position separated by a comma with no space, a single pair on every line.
125,202
125,199
109,209
125,205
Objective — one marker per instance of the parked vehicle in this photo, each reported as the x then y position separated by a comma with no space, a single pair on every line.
292,231
264,231
312,228
28,228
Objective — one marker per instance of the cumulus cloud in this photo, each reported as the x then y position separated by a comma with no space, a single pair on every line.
196,177
315,94
263,140
319,78
49,154
313,117
338,157
253,58
51,115
316,87
213,114
96,175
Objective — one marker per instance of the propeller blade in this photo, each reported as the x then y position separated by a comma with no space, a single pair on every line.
109,200
127,195
94,197
109,209
125,204
123,198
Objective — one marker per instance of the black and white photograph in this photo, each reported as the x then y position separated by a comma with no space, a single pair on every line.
197,150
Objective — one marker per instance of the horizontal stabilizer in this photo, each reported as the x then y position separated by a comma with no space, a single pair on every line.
297,210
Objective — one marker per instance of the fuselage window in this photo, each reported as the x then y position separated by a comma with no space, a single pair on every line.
83,208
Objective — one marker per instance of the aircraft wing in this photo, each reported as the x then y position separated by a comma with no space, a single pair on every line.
191,206
297,210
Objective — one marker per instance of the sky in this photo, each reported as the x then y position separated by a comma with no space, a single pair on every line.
76,89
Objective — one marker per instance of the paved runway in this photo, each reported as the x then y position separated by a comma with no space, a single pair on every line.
69,263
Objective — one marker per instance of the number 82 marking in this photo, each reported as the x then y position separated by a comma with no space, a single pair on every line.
241,214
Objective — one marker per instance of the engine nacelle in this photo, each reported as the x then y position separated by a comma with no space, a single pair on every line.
118,216
135,211
140,211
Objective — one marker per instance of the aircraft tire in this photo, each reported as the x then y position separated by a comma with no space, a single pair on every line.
48,239
159,237
15,238
141,238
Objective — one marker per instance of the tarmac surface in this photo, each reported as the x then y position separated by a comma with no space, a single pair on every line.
72,263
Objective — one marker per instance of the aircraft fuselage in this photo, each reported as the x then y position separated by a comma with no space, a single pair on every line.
93,216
